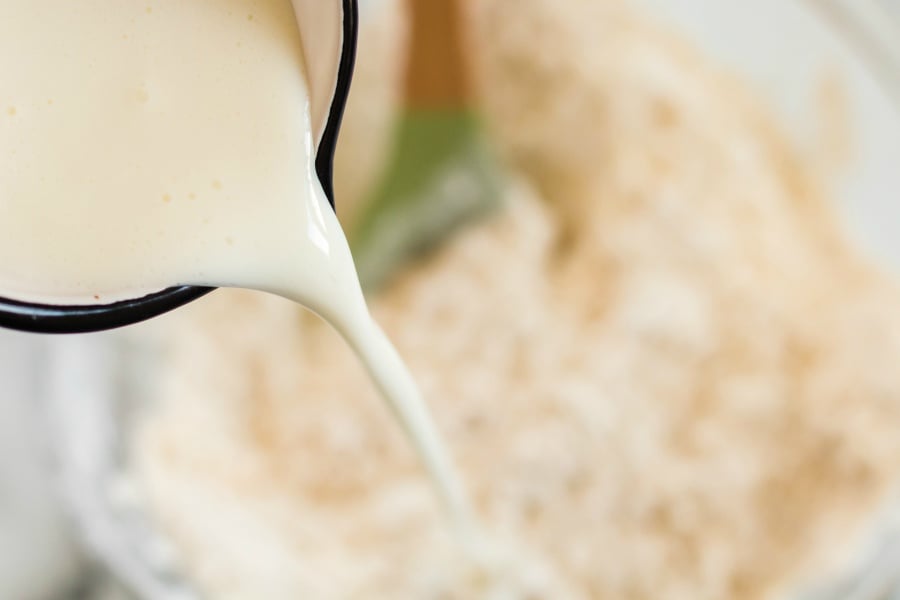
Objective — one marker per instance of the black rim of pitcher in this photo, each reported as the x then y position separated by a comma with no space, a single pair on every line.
42,318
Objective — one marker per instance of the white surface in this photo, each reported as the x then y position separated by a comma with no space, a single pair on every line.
37,555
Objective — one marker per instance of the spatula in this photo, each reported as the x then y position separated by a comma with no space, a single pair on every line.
441,174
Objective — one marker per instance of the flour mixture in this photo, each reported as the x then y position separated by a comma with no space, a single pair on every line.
663,373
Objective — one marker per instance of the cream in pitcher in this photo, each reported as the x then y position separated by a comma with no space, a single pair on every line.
146,145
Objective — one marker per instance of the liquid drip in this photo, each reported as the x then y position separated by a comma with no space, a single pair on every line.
400,391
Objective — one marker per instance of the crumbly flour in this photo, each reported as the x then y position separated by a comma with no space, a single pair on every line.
661,369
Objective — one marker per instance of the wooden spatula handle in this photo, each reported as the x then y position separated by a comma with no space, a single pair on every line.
438,75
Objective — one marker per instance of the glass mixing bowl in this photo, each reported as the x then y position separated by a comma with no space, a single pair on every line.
785,48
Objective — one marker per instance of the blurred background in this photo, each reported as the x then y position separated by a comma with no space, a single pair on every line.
428,106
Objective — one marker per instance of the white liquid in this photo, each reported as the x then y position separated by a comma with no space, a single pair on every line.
144,145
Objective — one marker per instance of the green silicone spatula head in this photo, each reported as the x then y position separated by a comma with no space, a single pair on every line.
440,174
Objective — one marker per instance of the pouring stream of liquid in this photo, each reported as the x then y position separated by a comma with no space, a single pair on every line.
172,142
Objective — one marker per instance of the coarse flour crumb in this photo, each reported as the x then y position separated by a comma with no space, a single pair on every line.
663,372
